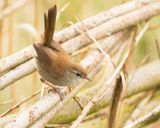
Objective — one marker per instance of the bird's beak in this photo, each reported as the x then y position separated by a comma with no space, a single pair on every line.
87,78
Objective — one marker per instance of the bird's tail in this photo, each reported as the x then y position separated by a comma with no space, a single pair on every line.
49,23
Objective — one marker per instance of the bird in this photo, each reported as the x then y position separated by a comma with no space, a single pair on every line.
53,63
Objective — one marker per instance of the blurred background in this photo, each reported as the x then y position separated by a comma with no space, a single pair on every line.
24,26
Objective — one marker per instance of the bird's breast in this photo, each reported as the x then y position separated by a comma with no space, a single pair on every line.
65,79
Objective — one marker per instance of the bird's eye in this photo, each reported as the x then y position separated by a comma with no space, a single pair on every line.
78,74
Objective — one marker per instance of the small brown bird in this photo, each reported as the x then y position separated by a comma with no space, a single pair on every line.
52,62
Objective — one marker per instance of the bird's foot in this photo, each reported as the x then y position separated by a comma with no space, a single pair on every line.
76,99
53,89
57,91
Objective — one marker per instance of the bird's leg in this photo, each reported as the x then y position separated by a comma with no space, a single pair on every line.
75,98
57,90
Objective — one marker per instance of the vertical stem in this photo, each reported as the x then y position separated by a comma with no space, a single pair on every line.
10,23
36,25
1,29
